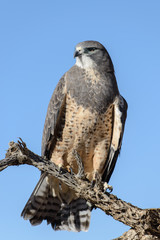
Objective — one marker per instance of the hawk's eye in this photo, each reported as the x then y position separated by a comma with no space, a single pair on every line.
91,49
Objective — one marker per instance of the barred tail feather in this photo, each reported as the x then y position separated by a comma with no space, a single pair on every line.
42,205
74,217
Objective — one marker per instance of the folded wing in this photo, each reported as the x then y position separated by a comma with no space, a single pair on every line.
119,114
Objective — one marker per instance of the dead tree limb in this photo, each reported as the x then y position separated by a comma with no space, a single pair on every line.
144,223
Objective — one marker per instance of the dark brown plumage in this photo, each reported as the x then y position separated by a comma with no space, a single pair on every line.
86,113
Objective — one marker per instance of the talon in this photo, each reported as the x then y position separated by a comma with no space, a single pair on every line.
106,187
71,171
62,170
93,183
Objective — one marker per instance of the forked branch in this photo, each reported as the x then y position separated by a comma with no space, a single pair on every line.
144,223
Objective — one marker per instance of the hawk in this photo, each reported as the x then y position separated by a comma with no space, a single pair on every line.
86,114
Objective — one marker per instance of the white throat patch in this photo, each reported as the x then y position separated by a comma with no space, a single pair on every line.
85,62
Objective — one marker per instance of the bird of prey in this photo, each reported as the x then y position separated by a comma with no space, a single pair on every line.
86,114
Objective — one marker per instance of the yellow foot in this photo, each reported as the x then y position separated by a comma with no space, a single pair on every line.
106,187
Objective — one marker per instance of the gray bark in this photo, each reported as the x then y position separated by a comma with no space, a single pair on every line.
144,223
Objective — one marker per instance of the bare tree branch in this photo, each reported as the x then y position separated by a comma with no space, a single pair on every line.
144,223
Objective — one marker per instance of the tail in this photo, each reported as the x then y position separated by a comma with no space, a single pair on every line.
42,205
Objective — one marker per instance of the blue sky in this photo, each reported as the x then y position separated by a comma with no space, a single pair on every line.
37,40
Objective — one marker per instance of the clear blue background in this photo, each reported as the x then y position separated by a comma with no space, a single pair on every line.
37,40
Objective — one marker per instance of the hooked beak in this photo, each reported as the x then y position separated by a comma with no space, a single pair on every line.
78,52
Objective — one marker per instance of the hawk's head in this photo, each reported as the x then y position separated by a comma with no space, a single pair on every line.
90,54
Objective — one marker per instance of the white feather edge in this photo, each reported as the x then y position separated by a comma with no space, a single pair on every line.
117,127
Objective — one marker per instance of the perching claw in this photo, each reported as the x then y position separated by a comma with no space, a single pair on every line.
106,187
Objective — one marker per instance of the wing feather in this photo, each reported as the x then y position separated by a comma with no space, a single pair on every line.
54,118
120,114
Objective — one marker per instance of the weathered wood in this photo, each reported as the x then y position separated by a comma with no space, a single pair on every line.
144,223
